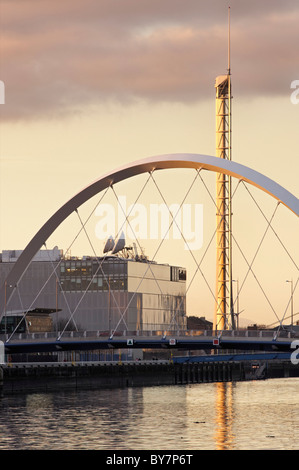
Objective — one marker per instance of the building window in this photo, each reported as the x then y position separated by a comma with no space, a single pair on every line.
94,275
182,274
177,274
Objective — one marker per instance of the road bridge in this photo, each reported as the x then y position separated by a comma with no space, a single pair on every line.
230,340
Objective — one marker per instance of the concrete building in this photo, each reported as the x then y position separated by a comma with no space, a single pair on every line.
107,293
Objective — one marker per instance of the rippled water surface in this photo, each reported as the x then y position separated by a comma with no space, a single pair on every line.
242,415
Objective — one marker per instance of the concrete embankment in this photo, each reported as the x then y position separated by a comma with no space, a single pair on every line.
47,377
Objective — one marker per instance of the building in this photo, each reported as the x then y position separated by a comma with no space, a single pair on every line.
199,323
114,292
35,321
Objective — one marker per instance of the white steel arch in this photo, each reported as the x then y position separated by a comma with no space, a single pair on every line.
182,160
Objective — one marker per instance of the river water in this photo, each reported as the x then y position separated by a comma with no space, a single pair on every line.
237,416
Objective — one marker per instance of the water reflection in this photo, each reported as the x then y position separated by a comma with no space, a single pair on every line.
224,437
243,415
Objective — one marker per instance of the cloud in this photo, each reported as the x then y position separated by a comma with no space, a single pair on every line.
57,57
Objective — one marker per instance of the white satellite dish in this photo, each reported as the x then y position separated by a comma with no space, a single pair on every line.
119,244
109,245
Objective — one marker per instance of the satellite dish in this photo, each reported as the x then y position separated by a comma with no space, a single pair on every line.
109,245
119,244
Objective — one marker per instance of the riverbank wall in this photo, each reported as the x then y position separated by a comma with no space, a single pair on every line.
48,377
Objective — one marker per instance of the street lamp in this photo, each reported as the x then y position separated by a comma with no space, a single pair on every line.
292,301
238,311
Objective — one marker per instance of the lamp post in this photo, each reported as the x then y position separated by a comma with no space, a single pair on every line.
238,310
292,301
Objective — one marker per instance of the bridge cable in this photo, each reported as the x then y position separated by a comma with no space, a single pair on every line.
250,264
101,263
100,267
83,227
275,233
270,226
173,319
127,220
192,255
157,249
55,268
290,300
93,277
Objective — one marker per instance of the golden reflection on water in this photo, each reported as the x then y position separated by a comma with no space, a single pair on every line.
224,416
216,416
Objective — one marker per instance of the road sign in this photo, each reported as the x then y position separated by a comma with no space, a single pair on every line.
130,342
172,342
216,342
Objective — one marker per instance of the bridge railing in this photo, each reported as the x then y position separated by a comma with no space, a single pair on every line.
152,333
252,333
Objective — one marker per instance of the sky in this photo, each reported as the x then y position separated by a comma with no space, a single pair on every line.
91,85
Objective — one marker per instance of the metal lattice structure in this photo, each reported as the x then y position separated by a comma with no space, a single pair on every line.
224,301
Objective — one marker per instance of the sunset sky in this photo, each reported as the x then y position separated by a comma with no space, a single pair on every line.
91,85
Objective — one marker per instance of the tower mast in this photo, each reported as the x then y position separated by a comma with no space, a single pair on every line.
224,298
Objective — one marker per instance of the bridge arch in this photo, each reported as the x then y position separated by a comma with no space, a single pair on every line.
183,160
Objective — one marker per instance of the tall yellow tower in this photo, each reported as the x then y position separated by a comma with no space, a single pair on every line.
224,303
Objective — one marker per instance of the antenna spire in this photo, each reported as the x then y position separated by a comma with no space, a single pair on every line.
224,293
228,69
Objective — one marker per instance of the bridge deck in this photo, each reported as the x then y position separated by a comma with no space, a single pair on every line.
47,342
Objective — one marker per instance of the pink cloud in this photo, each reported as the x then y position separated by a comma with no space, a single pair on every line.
60,55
